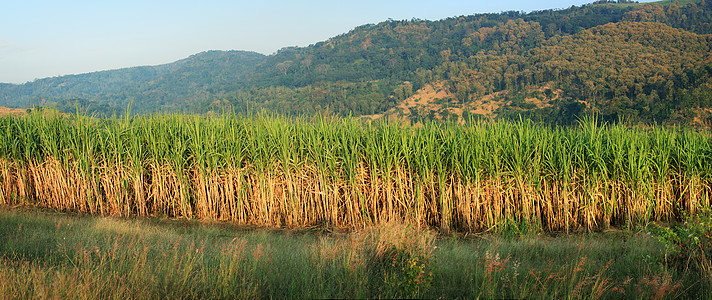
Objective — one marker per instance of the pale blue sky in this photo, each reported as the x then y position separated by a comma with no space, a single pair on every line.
44,38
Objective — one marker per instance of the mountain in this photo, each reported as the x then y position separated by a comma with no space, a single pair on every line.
170,87
622,61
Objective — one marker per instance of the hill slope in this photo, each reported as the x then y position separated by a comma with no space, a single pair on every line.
169,87
646,62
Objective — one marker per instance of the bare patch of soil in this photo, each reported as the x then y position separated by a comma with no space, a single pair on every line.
425,98
436,100
488,104
12,111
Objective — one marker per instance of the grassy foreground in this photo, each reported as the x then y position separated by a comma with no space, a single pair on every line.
53,255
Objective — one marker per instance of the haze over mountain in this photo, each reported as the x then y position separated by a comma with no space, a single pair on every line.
641,62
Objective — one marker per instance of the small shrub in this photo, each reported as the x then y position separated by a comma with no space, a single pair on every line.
401,254
406,275
690,243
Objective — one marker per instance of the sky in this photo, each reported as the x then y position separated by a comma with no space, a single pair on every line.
46,38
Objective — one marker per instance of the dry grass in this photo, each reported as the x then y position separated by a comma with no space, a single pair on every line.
55,255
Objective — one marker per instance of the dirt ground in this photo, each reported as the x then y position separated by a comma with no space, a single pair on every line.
12,111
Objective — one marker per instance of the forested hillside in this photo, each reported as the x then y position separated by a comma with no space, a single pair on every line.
177,86
635,62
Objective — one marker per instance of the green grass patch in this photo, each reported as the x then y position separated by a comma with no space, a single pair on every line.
54,255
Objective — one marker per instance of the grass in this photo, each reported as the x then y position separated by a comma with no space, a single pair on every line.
55,255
